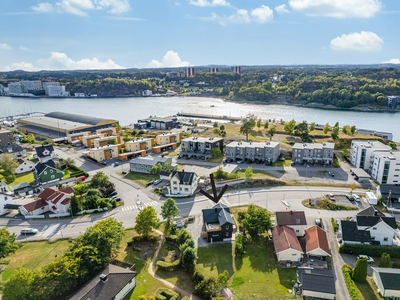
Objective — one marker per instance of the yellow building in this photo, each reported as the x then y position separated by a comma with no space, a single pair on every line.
88,141
140,144
108,131
104,153
103,141
75,139
167,141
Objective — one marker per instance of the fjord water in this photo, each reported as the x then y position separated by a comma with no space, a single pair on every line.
129,110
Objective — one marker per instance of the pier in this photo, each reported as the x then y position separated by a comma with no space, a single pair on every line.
204,116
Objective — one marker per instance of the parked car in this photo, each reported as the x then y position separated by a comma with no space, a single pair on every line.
332,197
112,194
350,197
104,163
138,202
116,198
116,164
178,224
239,161
370,260
29,231
149,183
356,197
292,163
155,182
82,178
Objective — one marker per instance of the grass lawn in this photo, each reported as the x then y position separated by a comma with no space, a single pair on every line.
282,163
34,255
67,174
21,178
216,159
257,174
141,178
368,290
254,276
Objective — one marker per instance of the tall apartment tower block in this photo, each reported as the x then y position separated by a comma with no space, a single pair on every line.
213,70
236,69
189,72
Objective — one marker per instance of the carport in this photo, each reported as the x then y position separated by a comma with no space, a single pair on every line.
360,175
130,155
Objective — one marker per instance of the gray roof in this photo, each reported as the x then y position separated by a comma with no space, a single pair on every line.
184,177
360,173
77,118
96,289
144,161
40,149
40,167
386,188
390,278
253,144
351,233
317,282
373,220
220,213
314,146
371,211
374,144
20,186
202,139
11,148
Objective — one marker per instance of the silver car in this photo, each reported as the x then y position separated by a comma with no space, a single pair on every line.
29,231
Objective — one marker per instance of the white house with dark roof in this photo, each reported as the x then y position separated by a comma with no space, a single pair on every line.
183,183
293,219
388,282
44,152
15,150
24,166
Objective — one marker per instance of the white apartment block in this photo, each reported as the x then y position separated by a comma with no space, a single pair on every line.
28,85
56,91
386,167
14,88
362,153
313,153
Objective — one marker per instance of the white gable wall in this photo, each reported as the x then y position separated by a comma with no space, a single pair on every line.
289,255
298,229
382,233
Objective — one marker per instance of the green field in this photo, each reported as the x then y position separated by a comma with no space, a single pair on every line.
21,178
141,178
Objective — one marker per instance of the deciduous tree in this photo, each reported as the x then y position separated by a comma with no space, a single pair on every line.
326,128
249,172
335,133
271,132
146,221
7,243
289,126
8,164
246,128
258,124
312,126
266,124
360,271
256,222
169,210
99,180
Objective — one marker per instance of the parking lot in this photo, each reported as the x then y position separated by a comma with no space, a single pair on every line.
342,200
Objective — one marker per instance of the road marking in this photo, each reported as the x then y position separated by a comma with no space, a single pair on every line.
42,231
50,230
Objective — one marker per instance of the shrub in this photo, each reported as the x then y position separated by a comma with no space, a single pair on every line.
371,250
168,266
360,271
385,261
10,178
172,238
396,265
197,276
334,226
351,286
166,294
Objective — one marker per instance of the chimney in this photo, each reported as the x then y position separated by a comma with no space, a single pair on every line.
291,212
216,210
103,278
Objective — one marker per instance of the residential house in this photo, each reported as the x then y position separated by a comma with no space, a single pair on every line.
44,153
387,280
218,224
386,167
167,141
393,101
313,153
369,226
49,200
200,146
88,140
226,294
15,150
316,283
144,164
21,189
183,183
24,166
6,201
317,242
293,219
267,152
361,153
104,153
4,187
6,137
75,139
136,148
147,93
287,246
386,190
47,171
111,283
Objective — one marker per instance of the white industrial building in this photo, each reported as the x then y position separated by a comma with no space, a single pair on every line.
30,85
362,150
386,167
14,88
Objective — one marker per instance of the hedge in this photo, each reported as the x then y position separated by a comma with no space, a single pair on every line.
166,294
172,238
168,266
334,226
351,286
370,250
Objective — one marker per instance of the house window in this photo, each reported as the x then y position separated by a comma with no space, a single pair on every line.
373,228
175,188
186,190
175,182
51,171
227,227
297,230
22,169
294,254
52,176
45,172
297,221
385,239
227,234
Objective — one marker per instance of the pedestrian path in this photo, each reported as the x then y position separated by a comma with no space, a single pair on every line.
50,230
136,207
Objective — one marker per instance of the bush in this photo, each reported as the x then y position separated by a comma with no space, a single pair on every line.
166,294
197,276
10,178
385,261
168,266
172,238
396,266
371,250
334,226
335,161
360,271
351,286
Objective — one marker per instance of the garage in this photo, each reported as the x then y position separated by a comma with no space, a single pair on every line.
360,175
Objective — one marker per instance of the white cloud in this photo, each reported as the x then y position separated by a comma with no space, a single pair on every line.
115,6
43,7
60,61
24,48
170,59
4,46
177,4
210,3
126,18
392,61
338,8
241,16
363,41
262,14
282,9
76,7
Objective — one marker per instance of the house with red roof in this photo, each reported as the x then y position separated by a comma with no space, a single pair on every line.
49,200
286,244
317,242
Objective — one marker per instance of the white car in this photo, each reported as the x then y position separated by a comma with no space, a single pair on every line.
356,197
370,260
138,202
29,231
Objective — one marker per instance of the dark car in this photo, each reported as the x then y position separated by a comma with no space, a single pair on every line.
112,194
104,163
116,198
350,197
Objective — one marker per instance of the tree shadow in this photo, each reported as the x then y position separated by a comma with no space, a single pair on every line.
261,256
287,277
366,290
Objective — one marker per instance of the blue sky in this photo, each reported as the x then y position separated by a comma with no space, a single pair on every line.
101,34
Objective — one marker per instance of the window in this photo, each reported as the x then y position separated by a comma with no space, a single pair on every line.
227,234
186,190
45,172
22,169
175,182
227,227
51,171
52,176
297,221
297,230
175,188
385,239
373,228
294,254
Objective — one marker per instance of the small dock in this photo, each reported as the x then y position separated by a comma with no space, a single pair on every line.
204,116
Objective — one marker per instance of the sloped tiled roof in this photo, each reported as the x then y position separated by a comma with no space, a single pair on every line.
39,150
40,167
53,195
290,217
316,238
351,233
285,238
67,190
35,205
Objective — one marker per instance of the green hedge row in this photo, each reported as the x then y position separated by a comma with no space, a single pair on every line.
166,294
172,238
371,250
334,226
351,286
168,266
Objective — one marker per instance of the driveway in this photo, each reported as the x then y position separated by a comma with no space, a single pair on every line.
337,262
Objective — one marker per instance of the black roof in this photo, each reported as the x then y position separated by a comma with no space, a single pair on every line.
41,149
40,167
350,232
220,213
96,289
185,177
11,148
164,173
385,188
371,211
318,283
78,118
373,220
390,278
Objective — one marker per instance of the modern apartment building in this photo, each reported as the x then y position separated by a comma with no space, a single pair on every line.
76,138
6,137
104,141
253,152
14,88
108,131
104,153
31,85
362,150
386,167
189,72
200,146
313,153
139,144
236,69
167,141
88,140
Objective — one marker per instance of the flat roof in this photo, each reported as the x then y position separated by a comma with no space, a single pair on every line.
392,155
314,146
202,139
374,144
54,123
253,144
360,173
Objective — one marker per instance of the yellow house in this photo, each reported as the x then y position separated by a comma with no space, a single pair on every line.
76,138
105,152
108,131
167,141
103,141
140,144
88,141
